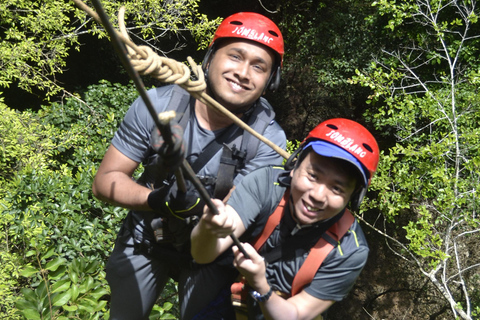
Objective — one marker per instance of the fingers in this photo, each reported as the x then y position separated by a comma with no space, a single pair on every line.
240,259
222,224
218,204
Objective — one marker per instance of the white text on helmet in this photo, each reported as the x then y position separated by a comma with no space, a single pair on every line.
252,34
346,143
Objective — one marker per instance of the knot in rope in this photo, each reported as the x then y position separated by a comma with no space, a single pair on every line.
146,62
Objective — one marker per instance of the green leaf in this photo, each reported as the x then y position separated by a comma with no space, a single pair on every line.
70,308
31,314
61,298
54,264
50,253
25,304
62,285
75,292
167,306
99,292
28,271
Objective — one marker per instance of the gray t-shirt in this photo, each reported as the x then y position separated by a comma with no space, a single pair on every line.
256,197
134,134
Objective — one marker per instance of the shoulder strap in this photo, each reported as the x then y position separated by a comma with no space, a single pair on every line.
272,222
259,120
320,251
180,103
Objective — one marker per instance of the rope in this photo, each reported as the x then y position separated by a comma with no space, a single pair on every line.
147,62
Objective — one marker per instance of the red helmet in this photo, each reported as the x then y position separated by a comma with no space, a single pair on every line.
353,142
252,26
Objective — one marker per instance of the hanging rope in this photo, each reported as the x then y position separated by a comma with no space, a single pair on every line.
147,62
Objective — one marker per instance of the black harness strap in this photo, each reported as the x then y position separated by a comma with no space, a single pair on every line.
212,148
226,171
233,159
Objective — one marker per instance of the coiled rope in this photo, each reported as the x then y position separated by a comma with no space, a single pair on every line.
147,62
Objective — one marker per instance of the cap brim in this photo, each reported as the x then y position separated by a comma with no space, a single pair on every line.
327,149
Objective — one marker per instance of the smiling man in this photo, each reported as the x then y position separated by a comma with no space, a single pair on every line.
290,216
243,61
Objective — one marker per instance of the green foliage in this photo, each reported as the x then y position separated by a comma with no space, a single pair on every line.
325,42
425,103
63,291
292,146
37,35
52,230
33,48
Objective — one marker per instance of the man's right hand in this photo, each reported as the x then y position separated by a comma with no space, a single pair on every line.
220,225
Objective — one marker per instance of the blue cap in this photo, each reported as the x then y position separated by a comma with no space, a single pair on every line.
327,149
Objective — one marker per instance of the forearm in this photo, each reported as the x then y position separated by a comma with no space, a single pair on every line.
210,237
302,306
277,308
120,190
113,182
205,246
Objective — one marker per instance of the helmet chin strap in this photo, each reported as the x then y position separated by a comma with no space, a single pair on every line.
357,198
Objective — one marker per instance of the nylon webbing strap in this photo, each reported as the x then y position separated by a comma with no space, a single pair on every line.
319,252
226,172
272,222
212,148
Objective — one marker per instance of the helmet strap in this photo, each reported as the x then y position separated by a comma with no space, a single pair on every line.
291,161
206,60
274,81
357,198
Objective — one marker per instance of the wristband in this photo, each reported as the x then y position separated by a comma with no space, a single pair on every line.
156,199
261,297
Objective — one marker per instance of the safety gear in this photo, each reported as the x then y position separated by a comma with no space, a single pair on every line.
241,145
251,26
156,198
347,140
352,137
255,27
184,204
310,266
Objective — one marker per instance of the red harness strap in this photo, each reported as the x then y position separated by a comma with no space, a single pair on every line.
272,222
320,251
317,254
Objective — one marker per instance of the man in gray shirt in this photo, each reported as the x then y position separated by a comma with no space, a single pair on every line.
243,61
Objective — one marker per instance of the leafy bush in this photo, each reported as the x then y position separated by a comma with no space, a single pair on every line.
54,233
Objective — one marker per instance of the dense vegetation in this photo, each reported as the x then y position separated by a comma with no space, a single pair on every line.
408,70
